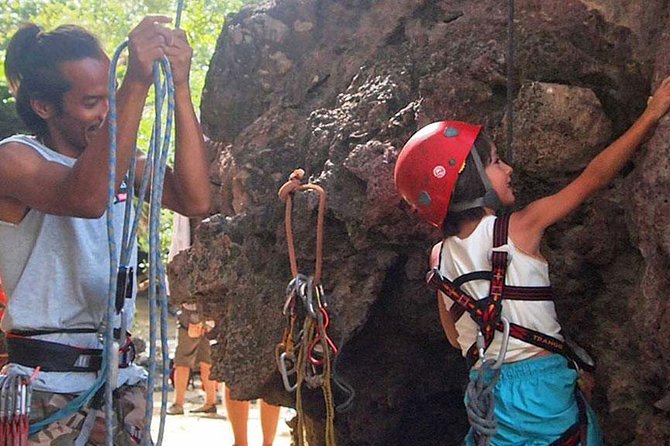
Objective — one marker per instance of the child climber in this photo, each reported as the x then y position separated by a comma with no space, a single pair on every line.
523,384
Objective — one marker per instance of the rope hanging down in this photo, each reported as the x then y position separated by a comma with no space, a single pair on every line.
312,364
153,176
480,404
510,82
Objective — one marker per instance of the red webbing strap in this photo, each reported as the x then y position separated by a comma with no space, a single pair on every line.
489,317
456,312
528,293
577,434
470,305
537,338
439,283
534,293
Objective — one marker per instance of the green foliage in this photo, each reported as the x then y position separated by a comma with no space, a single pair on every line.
111,21
9,120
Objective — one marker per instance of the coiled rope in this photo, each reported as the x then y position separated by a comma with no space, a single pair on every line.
480,403
153,176
480,398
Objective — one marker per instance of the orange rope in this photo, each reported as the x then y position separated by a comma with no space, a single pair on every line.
286,192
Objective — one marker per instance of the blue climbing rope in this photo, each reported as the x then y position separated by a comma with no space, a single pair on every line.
157,291
152,180
479,394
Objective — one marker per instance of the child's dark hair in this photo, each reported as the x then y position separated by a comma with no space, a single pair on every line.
468,187
32,66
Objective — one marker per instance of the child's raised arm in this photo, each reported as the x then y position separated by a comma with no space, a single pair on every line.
528,225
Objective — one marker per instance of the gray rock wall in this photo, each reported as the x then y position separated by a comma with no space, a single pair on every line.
336,88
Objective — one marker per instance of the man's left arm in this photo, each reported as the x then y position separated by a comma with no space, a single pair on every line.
186,188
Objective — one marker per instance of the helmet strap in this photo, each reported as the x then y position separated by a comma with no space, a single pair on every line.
490,198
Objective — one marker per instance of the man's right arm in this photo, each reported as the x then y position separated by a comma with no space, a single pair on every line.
28,180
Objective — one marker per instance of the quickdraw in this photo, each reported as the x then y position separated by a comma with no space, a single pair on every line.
15,398
304,356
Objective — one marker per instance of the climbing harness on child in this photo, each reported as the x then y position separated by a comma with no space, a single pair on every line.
487,313
426,174
306,350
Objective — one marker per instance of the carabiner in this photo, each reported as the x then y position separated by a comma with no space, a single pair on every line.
503,344
308,297
316,345
285,358
481,347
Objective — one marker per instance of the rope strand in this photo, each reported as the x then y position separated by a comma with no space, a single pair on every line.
510,82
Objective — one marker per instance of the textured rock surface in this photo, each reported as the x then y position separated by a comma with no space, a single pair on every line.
336,87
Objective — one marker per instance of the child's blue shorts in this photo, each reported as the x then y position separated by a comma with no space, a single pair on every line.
536,404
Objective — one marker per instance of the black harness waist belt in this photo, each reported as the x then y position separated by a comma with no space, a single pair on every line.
55,357
52,356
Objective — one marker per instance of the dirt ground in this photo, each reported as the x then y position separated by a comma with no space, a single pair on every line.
205,429
213,429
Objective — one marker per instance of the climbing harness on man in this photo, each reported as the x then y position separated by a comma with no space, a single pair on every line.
306,350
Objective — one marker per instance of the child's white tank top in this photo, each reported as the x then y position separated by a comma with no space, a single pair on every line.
462,256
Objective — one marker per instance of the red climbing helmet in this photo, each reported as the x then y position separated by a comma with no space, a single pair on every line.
429,164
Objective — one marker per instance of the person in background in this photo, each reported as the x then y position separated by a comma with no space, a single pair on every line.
193,336
238,414
193,350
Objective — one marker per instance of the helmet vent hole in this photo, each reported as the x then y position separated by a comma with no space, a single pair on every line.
450,132
424,198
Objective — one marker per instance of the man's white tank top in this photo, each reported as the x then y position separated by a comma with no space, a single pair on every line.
55,271
462,256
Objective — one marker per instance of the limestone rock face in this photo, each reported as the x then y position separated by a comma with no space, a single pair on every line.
336,88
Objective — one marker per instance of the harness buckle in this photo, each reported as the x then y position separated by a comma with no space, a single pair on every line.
306,291
506,248
83,361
